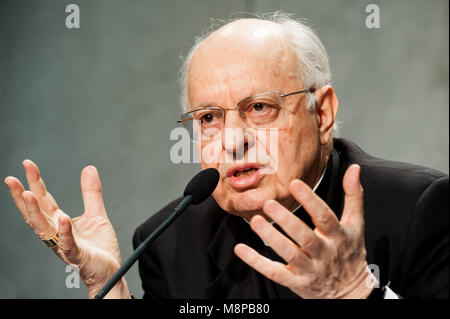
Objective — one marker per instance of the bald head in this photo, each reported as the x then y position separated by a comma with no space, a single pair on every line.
263,33
240,54
251,31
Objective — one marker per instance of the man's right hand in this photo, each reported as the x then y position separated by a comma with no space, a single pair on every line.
87,242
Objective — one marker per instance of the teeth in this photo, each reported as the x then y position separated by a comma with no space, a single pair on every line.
245,173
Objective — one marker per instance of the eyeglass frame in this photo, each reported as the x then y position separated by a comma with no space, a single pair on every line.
241,114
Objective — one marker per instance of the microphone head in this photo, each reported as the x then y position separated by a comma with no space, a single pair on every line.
202,185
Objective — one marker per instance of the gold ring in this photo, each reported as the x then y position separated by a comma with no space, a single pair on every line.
52,242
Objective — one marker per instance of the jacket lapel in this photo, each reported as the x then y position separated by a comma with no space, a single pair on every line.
234,278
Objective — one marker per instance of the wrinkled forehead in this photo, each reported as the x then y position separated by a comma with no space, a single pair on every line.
241,60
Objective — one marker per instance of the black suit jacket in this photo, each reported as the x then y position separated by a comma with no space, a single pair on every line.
406,235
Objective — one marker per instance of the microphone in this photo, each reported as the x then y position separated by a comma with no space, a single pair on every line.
199,188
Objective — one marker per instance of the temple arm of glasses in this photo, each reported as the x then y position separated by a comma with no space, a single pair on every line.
185,120
311,90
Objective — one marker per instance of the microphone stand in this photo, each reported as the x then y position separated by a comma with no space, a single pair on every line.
140,249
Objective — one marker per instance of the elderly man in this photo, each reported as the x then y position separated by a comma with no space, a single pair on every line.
297,224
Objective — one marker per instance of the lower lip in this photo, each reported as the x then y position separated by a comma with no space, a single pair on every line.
246,181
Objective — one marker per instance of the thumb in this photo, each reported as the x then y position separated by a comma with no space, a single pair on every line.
67,243
91,190
353,213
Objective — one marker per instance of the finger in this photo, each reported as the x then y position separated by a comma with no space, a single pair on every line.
91,190
271,269
37,186
322,216
284,247
16,189
37,218
67,243
353,213
294,228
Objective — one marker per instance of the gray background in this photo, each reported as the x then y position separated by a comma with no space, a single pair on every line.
106,94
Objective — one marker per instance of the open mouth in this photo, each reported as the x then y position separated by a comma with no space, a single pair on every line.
244,176
245,172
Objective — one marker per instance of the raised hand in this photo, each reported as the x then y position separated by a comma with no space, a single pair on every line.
87,242
327,262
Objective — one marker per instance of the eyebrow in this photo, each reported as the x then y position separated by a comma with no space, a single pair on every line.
213,104
203,105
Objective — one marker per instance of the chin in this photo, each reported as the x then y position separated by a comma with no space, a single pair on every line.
245,204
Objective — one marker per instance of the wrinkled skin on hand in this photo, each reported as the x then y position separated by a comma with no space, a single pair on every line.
87,242
328,261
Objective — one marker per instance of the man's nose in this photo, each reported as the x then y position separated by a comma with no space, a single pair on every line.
236,139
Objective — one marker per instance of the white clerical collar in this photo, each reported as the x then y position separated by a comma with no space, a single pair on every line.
298,207
314,189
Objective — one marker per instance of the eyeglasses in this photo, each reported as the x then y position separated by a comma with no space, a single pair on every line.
259,111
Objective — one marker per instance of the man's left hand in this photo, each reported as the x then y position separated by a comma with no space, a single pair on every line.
327,262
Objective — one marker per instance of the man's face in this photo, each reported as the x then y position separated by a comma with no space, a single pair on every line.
240,60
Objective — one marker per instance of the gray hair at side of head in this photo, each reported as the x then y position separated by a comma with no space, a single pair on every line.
311,55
